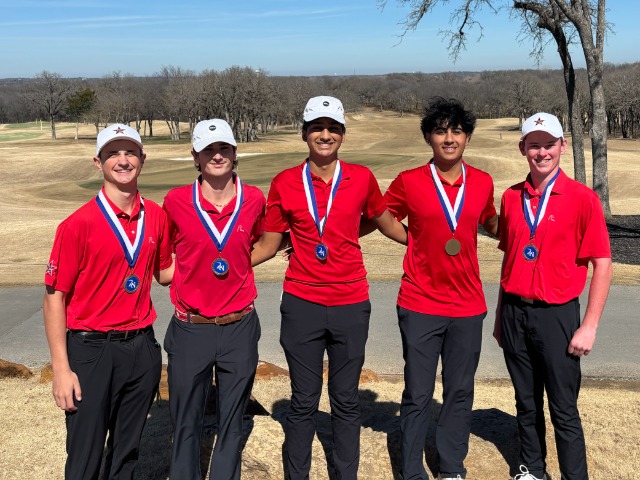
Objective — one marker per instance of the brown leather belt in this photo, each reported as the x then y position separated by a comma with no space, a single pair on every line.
219,320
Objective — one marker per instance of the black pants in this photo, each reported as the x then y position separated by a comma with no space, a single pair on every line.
307,330
194,350
119,380
426,338
535,338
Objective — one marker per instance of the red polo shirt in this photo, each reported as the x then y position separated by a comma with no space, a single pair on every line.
87,261
341,279
572,231
195,288
435,283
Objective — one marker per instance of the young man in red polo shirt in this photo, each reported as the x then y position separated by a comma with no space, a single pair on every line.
98,313
441,303
551,228
213,223
325,304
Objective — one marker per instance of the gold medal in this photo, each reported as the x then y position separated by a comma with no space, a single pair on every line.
452,247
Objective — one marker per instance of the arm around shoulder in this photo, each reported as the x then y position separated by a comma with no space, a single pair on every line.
266,247
390,227
164,277
492,226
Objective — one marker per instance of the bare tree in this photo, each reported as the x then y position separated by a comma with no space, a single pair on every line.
560,18
50,93
176,97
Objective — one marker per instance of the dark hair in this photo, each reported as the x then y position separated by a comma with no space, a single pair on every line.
442,112
305,126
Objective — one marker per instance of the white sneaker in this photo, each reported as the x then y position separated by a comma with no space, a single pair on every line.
457,477
525,475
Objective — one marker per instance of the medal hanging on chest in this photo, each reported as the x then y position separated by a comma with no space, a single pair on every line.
220,266
131,283
321,249
452,213
530,252
131,251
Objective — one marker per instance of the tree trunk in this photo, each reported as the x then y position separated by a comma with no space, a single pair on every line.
574,107
593,54
53,127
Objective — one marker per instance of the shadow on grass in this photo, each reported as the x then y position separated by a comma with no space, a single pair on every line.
155,445
491,425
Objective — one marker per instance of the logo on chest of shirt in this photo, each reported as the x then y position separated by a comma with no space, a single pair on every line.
151,241
552,218
240,229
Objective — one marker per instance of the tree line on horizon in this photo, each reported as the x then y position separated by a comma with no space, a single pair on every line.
254,102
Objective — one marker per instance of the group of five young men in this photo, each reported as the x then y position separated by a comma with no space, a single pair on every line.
98,311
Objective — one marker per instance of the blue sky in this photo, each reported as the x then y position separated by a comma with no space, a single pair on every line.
284,37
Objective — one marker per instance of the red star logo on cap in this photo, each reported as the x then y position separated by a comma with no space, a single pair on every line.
119,130
539,121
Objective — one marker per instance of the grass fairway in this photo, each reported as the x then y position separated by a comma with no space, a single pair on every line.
59,176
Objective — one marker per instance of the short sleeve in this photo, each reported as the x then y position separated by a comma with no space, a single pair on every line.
258,225
396,198
489,210
276,218
64,262
164,259
595,239
374,204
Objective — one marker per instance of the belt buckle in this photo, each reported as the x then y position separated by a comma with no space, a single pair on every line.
527,300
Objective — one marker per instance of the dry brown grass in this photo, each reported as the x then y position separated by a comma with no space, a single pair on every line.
32,433
46,180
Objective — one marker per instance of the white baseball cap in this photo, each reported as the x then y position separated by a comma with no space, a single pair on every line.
117,131
211,131
323,106
542,122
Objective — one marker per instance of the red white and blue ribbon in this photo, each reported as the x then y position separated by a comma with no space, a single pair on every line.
534,220
219,238
311,196
131,250
451,213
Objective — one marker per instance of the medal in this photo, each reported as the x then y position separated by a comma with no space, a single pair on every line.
322,252
131,250
452,247
220,267
530,252
451,213
131,284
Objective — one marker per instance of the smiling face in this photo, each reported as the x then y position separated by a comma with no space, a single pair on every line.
448,144
543,154
120,162
324,136
216,160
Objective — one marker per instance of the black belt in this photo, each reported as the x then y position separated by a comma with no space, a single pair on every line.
115,335
532,302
